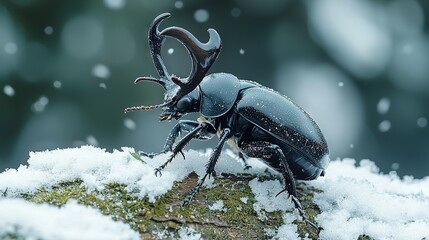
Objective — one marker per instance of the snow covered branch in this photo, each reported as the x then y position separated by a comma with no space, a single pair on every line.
89,192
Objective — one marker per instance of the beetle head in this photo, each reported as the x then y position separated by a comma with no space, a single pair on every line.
180,94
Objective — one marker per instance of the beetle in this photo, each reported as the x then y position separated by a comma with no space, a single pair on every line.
258,121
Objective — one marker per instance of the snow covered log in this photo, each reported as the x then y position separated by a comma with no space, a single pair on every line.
88,192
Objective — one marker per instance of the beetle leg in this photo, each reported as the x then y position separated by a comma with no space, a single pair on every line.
244,159
272,153
202,127
181,126
210,166
291,189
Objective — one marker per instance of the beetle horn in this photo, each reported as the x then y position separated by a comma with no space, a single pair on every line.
155,42
203,56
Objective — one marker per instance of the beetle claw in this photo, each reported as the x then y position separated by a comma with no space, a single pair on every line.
186,202
183,155
314,226
158,172
284,190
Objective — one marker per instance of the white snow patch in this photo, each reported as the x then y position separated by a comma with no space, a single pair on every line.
97,167
361,200
244,199
72,221
266,201
355,200
188,233
288,230
217,206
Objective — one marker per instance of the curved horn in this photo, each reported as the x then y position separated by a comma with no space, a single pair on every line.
155,43
150,79
203,56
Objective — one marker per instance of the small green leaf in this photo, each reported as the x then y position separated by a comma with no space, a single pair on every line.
137,156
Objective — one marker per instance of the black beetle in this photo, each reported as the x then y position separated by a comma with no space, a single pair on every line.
258,121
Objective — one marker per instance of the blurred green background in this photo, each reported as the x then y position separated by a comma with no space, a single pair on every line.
359,67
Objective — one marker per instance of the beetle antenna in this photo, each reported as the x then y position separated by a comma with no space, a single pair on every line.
152,107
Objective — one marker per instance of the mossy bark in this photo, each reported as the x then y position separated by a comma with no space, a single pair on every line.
237,219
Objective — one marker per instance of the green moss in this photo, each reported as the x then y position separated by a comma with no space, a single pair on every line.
113,200
238,221
311,211
365,237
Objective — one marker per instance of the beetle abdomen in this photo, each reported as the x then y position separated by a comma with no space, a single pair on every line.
303,168
283,119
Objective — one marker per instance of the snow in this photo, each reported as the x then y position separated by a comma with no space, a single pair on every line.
178,4
244,200
8,90
72,221
363,201
188,233
114,4
217,206
130,124
384,126
101,71
97,167
422,122
49,30
10,48
40,104
235,12
356,197
57,84
185,233
383,105
364,57
266,201
201,15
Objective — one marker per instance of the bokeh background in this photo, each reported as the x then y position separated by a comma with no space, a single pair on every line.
359,67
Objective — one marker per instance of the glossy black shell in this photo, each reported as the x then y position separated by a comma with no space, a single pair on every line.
218,93
281,118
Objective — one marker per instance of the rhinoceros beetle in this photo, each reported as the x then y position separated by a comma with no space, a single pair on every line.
258,121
